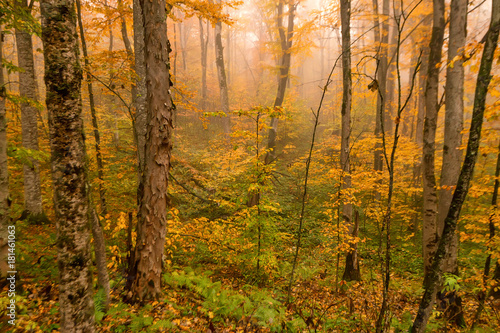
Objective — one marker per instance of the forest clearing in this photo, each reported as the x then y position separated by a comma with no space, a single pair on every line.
249,166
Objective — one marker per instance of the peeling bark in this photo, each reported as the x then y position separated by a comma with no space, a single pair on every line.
153,207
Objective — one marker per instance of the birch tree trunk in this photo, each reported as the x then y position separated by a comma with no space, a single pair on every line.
432,279
454,113
153,208
221,74
4,174
28,89
430,232
63,76
351,271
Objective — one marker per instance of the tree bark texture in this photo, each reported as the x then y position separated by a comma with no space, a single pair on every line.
4,174
140,85
430,231
153,207
100,255
433,275
221,74
454,114
28,89
351,271
63,76
285,37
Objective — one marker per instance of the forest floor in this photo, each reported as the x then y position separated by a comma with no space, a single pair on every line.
215,299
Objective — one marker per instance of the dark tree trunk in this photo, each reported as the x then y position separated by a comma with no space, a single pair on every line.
286,39
204,49
145,283
432,279
140,86
351,271
430,232
221,74
63,76
93,112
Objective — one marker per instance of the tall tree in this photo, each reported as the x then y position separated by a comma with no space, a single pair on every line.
430,233
97,233
140,85
28,90
454,113
351,271
221,74
285,39
433,275
382,37
4,172
204,53
63,76
146,264
452,155
93,112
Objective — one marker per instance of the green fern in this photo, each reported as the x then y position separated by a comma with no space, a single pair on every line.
99,301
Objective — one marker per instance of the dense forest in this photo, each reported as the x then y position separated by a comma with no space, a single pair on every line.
249,166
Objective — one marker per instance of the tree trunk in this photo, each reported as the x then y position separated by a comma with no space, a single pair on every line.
452,156
286,37
454,113
204,49
63,76
100,255
221,74
432,279
140,86
153,207
95,125
99,245
351,271
382,52
4,174
430,231
28,89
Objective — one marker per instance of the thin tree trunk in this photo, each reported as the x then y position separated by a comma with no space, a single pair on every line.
221,74
204,49
432,279
381,77
28,89
140,86
351,271
430,232
487,265
99,245
63,76
286,37
4,174
100,256
153,208
93,112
